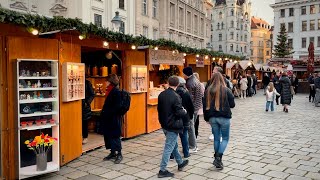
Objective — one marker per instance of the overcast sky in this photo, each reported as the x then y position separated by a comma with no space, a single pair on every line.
262,9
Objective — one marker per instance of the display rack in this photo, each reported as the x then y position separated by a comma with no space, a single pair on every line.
38,100
138,79
73,81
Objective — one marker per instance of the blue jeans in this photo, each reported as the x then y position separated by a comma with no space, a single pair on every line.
171,146
220,128
184,142
269,103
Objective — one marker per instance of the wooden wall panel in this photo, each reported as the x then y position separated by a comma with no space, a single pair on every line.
24,48
70,112
135,121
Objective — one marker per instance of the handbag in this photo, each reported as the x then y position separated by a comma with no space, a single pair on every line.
292,90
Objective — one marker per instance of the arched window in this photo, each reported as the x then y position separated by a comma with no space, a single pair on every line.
220,15
232,12
218,26
232,24
246,16
220,48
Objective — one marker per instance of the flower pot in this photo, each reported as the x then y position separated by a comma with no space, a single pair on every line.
38,123
52,121
41,161
44,122
23,124
30,123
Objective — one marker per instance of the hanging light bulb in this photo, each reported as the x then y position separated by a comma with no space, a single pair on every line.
225,58
220,59
81,37
213,59
197,55
184,54
156,48
105,44
235,61
206,57
33,31
133,47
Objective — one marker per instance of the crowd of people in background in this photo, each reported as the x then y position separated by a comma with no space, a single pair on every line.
314,83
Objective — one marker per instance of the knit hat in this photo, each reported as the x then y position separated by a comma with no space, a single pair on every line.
187,71
182,80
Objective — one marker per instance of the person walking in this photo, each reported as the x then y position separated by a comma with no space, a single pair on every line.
243,86
285,91
295,83
217,104
255,83
200,110
317,87
86,110
194,87
312,92
277,85
271,93
170,113
265,81
249,88
111,119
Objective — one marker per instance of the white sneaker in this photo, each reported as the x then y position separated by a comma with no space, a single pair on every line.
211,137
85,141
194,150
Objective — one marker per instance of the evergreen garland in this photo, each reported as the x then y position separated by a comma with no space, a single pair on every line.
282,49
46,24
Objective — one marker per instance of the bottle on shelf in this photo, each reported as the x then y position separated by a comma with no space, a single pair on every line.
94,71
104,71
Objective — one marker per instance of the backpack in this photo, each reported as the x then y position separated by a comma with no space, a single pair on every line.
124,102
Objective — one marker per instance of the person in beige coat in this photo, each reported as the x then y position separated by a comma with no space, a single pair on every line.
243,86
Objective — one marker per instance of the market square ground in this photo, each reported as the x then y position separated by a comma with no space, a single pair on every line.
263,145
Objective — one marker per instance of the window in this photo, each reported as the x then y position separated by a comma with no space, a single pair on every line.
201,25
237,49
211,27
220,37
211,38
304,25
245,27
231,47
222,25
312,9
303,10
282,13
290,27
251,52
189,19
122,27
290,43
231,35
172,13
318,41
312,25
232,24
218,26
154,8
195,22
121,4
246,38
220,15
144,7
304,42
170,36
232,12
282,25
241,27
291,12
245,49
181,16
220,48
268,53
145,31
311,39
241,37
155,34
237,37
318,24
240,49
98,20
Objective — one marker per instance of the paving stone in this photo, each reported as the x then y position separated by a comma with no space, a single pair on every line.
289,164
204,165
194,176
126,177
277,174
239,161
307,163
259,177
76,164
257,170
239,166
99,171
313,175
130,170
309,168
275,167
239,173
56,177
66,170
87,167
144,174
270,161
296,172
215,175
112,174
302,157
234,178
294,177
89,177
299,152
76,174
289,159
197,170
256,164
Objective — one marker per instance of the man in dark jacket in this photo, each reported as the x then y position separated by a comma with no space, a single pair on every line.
86,110
312,92
255,83
171,112
317,87
277,85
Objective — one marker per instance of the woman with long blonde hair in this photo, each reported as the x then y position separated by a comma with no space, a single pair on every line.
217,104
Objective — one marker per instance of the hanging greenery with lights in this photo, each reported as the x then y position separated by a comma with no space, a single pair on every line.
47,24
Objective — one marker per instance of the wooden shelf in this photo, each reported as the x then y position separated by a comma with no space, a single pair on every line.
38,89
38,114
31,171
97,76
35,127
38,100
37,78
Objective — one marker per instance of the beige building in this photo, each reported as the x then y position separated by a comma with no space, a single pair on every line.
183,21
260,40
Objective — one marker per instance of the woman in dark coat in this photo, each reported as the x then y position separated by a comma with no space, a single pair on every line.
285,91
86,110
111,120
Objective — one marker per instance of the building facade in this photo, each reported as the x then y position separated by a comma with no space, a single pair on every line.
231,27
302,21
89,11
260,40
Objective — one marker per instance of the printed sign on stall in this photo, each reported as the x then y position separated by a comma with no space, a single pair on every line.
166,57
199,62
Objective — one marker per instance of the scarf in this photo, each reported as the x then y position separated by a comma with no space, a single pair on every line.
109,89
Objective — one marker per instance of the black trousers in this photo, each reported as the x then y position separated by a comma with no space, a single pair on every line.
196,126
113,143
85,129
277,99
312,93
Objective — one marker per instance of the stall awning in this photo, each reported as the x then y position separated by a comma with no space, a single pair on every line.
265,68
230,65
244,64
257,66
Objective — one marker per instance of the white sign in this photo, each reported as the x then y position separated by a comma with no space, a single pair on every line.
199,62
165,57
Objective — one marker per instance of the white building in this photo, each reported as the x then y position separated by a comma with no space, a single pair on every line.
302,21
89,11
231,27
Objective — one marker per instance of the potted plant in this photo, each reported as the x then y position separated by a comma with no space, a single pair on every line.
41,145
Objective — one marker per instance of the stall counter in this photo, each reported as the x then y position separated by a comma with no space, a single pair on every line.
152,113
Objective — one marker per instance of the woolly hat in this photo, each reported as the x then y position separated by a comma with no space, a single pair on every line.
182,80
188,71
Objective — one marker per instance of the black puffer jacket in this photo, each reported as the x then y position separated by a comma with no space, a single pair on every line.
225,109
285,90
187,104
86,109
170,111
276,83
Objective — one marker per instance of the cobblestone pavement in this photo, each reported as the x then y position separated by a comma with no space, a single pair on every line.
263,145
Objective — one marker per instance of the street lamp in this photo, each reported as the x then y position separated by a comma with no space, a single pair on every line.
116,22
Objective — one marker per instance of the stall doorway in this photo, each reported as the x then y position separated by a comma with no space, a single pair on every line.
99,63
